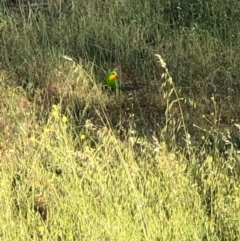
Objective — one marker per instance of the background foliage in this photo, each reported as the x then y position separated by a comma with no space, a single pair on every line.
80,162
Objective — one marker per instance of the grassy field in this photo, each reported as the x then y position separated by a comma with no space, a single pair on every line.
80,162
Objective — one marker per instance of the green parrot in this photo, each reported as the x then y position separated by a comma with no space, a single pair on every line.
112,82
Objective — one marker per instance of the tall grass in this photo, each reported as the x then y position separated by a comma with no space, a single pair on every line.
79,162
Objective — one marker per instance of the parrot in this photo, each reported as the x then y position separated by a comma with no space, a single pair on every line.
113,83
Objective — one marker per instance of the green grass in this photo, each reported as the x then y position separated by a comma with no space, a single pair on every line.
80,162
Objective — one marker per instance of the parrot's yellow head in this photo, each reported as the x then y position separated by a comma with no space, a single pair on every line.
112,76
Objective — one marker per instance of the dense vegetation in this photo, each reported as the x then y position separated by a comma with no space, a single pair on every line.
81,162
